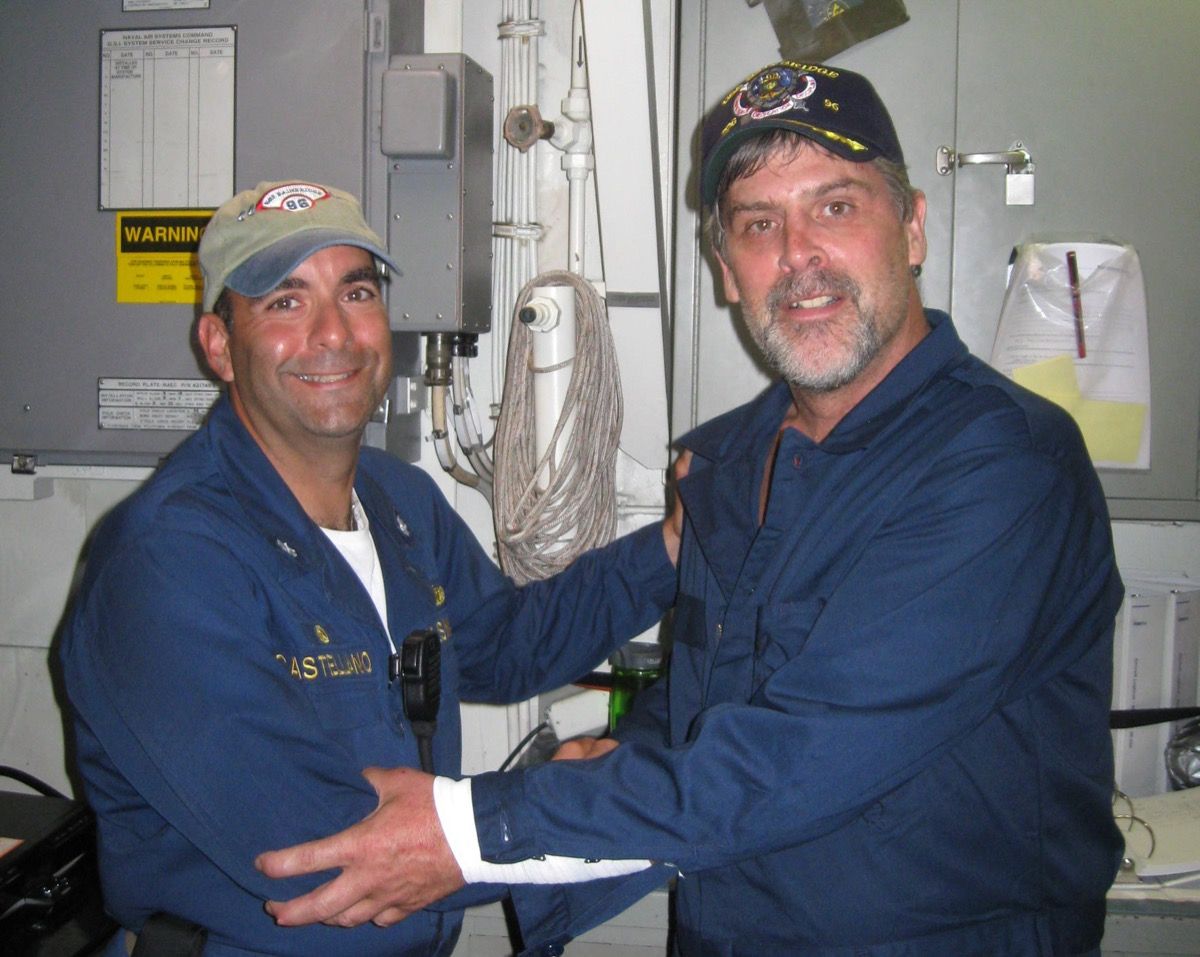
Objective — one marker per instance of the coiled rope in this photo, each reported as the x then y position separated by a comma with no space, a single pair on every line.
541,531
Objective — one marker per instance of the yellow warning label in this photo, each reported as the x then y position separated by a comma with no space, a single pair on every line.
156,256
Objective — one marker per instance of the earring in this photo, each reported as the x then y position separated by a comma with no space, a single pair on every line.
915,270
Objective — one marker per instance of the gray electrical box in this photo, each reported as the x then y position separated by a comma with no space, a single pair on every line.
124,126
437,134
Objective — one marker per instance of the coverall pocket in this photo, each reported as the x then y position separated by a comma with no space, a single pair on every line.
781,632
343,710
346,694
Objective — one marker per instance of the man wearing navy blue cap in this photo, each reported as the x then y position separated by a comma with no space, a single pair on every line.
238,652
885,727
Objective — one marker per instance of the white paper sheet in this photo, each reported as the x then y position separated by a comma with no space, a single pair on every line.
1107,390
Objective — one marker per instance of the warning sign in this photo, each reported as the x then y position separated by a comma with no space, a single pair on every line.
156,256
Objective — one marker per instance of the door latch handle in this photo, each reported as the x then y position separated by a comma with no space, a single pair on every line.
1015,159
1017,163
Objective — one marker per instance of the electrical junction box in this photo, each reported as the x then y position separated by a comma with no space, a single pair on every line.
436,131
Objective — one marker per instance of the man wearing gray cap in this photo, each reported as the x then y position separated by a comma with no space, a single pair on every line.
280,608
885,726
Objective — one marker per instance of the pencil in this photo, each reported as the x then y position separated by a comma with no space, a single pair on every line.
1076,303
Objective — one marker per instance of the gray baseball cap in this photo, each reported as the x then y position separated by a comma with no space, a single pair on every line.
255,240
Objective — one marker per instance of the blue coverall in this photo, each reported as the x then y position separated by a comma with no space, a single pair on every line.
228,676
885,728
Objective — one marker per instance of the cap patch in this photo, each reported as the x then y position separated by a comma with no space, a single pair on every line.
293,197
773,91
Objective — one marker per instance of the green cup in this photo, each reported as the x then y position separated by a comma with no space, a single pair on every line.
635,666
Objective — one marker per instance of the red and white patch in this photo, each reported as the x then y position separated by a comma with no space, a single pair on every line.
293,197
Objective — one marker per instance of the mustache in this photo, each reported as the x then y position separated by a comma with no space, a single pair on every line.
811,285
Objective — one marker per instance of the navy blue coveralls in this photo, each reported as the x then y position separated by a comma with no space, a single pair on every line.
885,729
228,677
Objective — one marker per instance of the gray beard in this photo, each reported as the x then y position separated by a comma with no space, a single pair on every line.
803,356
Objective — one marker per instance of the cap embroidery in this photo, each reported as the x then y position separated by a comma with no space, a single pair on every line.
773,91
293,197
836,137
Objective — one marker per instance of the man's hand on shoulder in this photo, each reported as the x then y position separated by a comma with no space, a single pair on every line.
393,862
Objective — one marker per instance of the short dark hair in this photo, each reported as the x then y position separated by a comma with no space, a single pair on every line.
753,154
223,307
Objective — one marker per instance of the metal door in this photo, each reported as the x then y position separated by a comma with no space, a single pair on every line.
1103,96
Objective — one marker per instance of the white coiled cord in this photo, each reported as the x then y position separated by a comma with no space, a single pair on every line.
541,531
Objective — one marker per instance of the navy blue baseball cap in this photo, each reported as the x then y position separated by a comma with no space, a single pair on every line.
836,108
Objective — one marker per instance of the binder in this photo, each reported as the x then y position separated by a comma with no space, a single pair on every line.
1181,648
1139,649
1162,836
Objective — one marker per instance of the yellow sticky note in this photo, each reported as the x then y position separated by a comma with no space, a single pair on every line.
1052,378
1112,430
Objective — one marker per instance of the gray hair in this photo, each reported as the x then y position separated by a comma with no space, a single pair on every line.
753,154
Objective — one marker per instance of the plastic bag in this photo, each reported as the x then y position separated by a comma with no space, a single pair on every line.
1082,342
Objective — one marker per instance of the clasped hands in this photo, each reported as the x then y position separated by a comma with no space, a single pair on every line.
393,862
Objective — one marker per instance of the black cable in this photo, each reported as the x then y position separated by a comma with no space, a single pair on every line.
424,732
30,781
524,741
1140,717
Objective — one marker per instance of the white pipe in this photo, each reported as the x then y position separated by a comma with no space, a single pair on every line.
550,316
577,238
575,139
514,256
516,261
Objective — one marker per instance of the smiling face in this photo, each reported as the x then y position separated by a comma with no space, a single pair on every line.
818,257
308,363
